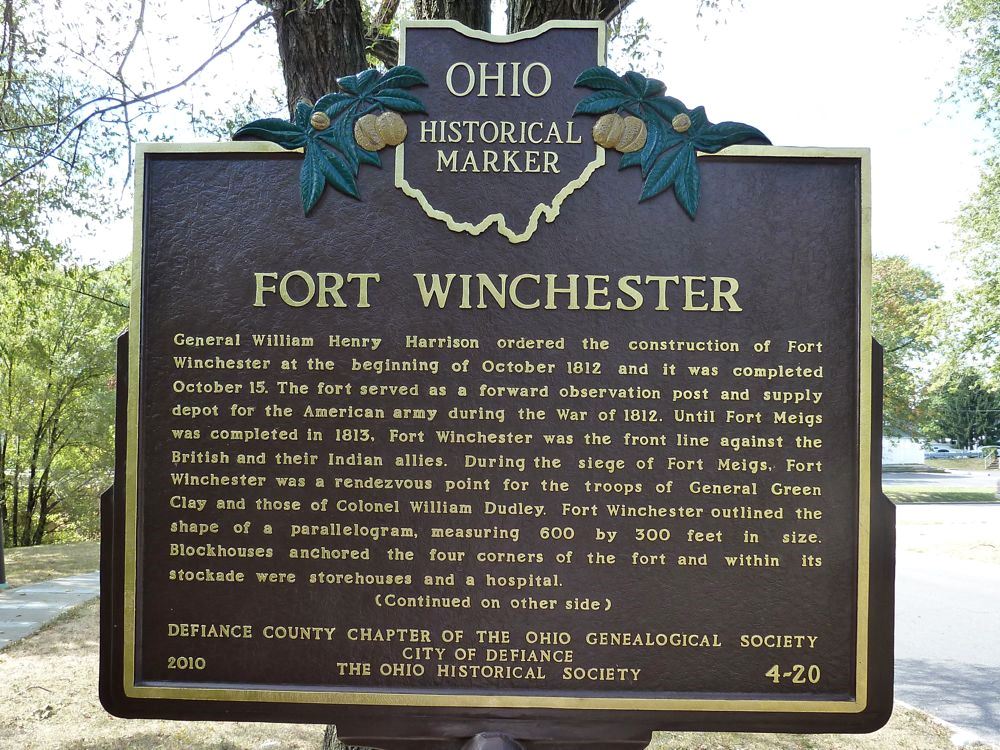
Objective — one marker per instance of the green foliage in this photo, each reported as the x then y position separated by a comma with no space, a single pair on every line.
634,40
81,83
904,306
332,156
977,23
669,157
56,335
57,350
965,410
980,226
47,168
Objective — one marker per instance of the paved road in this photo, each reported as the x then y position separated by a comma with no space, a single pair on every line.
948,626
25,609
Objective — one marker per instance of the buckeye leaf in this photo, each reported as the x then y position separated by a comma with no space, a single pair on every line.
654,145
311,179
687,186
336,172
344,141
717,137
653,87
659,139
636,82
633,108
284,133
699,121
340,135
348,84
360,83
367,157
303,110
630,159
665,171
600,102
666,107
333,104
667,139
399,100
367,80
601,78
401,77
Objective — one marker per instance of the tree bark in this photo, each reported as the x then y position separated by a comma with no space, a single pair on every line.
330,741
32,495
527,14
473,13
380,45
44,490
318,46
3,490
15,494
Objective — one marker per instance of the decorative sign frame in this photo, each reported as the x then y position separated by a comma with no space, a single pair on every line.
208,220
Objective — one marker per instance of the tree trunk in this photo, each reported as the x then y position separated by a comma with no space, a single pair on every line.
43,516
527,14
32,495
3,486
318,46
330,741
44,490
36,449
15,494
473,13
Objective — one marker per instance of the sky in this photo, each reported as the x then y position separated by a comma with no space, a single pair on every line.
849,73
853,73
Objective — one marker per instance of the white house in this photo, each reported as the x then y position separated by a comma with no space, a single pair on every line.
901,450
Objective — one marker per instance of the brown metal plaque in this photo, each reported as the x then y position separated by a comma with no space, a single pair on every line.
500,451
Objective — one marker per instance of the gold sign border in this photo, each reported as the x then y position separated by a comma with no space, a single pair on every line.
549,211
483,700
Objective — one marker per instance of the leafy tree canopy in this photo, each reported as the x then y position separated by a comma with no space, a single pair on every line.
977,23
965,410
904,307
58,326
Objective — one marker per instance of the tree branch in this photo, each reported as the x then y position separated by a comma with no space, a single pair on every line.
7,46
383,16
384,48
83,292
903,345
611,9
125,103
87,60
132,41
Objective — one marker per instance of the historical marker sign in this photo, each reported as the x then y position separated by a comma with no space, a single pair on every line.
497,445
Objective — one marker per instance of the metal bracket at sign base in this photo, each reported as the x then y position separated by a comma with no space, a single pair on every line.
492,741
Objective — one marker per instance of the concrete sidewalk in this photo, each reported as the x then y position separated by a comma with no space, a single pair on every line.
25,609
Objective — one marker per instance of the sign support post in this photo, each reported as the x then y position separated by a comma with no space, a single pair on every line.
3,571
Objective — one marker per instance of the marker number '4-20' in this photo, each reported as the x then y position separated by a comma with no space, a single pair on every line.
799,674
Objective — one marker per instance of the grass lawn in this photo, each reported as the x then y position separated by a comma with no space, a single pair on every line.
962,491
915,493
52,680
26,565
957,464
